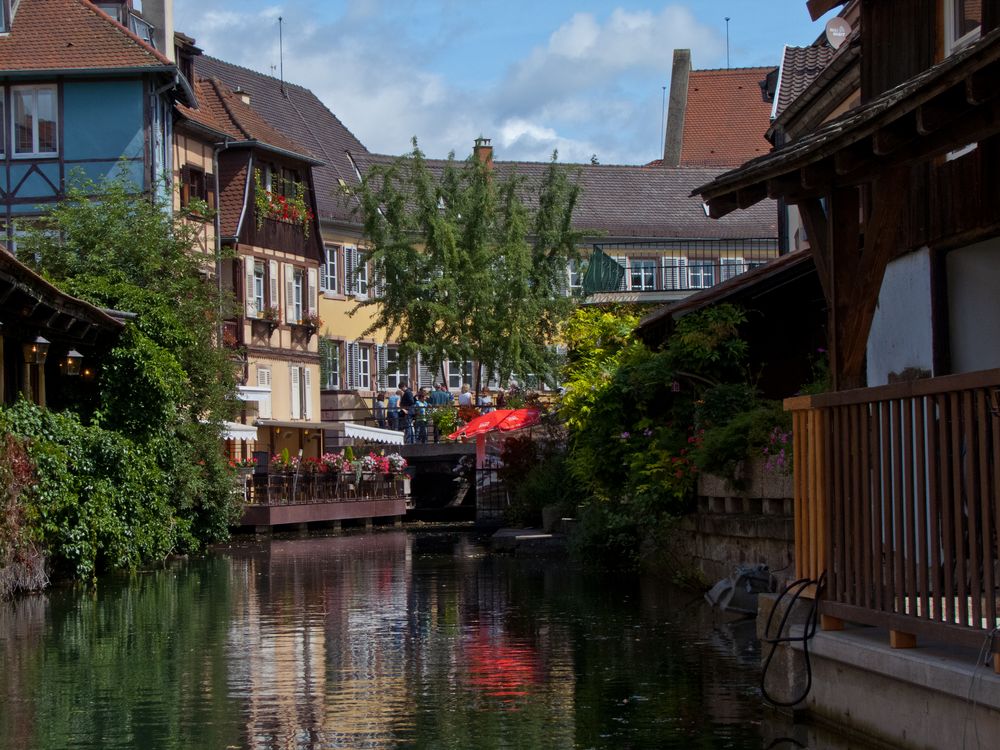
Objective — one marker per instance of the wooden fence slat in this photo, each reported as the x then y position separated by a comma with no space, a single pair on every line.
800,464
979,492
957,467
993,542
948,489
838,584
856,531
897,531
935,460
888,581
866,543
921,547
908,542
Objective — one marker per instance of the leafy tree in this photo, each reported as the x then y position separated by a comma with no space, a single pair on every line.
470,265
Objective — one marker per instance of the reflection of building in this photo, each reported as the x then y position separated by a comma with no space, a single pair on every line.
50,343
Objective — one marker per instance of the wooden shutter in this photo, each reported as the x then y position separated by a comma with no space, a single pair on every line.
185,186
674,273
248,267
307,392
311,290
382,355
272,275
296,393
210,198
350,268
264,402
290,316
352,365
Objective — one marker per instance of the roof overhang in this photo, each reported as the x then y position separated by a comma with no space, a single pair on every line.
947,106
275,150
818,7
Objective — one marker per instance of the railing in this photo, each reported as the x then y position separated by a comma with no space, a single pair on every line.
286,488
492,499
897,500
684,265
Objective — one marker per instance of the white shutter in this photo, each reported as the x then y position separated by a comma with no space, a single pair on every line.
425,377
293,375
622,261
273,278
307,391
290,294
382,355
311,290
352,365
325,265
350,269
248,265
674,273
264,402
732,267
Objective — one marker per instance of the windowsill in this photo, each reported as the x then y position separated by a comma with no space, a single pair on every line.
334,296
959,44
36,156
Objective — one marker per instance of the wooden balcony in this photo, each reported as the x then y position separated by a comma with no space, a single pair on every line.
897,502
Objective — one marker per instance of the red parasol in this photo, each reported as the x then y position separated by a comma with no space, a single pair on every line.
504,420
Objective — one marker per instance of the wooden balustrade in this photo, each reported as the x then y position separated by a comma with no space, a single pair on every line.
897,500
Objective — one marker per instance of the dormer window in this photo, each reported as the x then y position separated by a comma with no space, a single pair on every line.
962,23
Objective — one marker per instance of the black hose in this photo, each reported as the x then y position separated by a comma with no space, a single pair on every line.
812,623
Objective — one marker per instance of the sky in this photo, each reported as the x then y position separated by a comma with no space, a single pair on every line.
585,78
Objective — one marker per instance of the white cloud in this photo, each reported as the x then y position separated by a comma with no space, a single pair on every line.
575,93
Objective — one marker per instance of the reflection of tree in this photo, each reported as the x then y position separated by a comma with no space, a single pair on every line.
127,666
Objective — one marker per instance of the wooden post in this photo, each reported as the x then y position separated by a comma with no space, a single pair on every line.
996,663
827,622
899,639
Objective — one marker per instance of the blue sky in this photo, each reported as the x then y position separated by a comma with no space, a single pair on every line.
583,77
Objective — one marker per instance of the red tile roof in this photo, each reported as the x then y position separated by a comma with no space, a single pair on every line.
72,35
234,171
225,112
726,117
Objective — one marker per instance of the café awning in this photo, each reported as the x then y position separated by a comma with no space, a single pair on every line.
370,434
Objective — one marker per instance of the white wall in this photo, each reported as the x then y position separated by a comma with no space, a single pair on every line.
901,335
974,306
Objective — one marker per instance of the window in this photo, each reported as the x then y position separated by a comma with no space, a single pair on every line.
329,365
298,284
395,368
34,121
328,272
300,380
459,373
675,273
3,18
361,287
731,267
643,274
575,272
702,274
264,402
194,185
3,140
364,367
259,285
962,23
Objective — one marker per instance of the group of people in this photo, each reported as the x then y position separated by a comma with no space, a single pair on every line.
408,411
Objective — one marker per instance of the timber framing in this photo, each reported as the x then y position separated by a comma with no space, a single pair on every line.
853,181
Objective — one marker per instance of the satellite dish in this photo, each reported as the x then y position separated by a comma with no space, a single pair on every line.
837,31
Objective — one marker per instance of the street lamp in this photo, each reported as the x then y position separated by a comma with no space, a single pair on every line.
35,352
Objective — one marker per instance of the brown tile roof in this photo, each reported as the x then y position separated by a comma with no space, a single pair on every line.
726,117
72,35
297,112
223,111
234,172
799,68
634,202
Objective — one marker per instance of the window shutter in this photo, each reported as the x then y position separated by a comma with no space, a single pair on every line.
210,198
352,365
324,269
622,261
382,354
185,186
350,269
293,375
251,309
272,274
311,290
290,294
674,273
264,404
379,281
425,377
307,390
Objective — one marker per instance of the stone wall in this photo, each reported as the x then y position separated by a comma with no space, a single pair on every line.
749,524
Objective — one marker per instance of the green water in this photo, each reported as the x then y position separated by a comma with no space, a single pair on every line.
385,640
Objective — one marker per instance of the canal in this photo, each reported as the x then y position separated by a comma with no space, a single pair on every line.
395,639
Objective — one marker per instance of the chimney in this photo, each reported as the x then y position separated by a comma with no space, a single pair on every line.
674,138
483,151
160,14
243,94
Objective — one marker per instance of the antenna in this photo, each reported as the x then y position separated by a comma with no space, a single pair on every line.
727,42
281,53
663,107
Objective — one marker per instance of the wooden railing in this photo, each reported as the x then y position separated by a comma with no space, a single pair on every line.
897,500
285,488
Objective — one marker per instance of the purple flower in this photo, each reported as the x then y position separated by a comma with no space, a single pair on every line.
647,432
625,435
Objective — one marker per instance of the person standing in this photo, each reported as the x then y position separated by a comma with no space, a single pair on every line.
406,402
420,418
393,409
379,409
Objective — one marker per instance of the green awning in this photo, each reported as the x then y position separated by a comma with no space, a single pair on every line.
604,274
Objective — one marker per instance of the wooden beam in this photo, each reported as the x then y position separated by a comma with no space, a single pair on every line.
844,227
981,86
895,135
815,221
943,109
854,157
722,205
818,176
751,195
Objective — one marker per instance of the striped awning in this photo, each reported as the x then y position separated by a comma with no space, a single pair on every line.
372,434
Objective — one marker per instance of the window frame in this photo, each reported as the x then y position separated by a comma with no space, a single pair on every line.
364,371
298,293
396,368
646,268
331,365
331,268
699,271
953,43
361,280
463,370
260,279
35,153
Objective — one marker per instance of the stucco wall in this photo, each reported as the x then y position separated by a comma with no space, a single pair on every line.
901,335
974,306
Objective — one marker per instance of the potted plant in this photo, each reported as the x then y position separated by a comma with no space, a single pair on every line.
312,322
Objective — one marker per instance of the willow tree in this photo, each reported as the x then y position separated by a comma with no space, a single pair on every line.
469,260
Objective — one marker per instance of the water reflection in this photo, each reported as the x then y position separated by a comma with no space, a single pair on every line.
388,640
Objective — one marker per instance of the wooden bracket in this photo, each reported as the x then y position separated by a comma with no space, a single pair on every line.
828,622
899,639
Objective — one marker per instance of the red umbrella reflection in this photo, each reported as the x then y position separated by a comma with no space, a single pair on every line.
500,669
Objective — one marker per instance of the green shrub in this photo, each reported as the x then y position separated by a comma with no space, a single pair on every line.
724,448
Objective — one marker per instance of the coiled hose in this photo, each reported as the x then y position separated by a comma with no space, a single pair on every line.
796,589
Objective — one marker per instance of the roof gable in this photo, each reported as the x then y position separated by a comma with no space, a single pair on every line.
726,117
72,35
